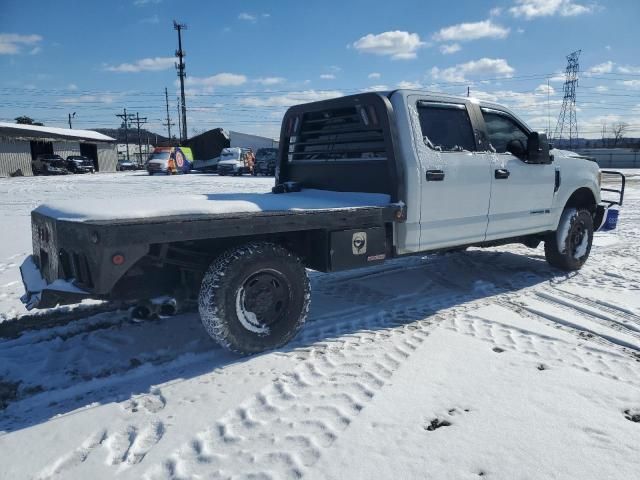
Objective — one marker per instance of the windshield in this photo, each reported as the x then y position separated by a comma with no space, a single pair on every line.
230,155
160,156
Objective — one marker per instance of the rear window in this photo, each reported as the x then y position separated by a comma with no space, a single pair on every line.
446,127
345,133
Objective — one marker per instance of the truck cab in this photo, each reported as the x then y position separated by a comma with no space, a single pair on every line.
235,161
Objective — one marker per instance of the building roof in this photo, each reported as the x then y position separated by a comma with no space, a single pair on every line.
17,130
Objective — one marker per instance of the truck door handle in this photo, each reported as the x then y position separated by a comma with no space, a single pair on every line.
502,173
435,175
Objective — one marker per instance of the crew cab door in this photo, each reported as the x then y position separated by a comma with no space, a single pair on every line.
521,192
455,177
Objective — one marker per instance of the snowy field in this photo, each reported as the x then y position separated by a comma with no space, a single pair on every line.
485,363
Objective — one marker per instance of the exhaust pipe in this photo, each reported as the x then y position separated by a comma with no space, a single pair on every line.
143,311
168,309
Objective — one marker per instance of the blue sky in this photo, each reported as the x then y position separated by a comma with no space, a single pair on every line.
248,60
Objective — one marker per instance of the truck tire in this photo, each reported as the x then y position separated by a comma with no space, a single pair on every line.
568,247
254,297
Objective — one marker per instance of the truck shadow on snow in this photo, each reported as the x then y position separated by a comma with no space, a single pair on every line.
108,358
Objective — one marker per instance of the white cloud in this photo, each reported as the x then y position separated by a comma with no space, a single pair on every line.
35,50
495,12
140,3
493,67
602,88
328,76
464,32
106,98
530,9
219,80
291,98
409,85
606,67
449,48
375,88
13,43
252,17
154,64
374,75
397,44
631,83
629,69
545,89
270,80
72,87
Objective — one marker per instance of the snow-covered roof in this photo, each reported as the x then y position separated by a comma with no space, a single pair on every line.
30,131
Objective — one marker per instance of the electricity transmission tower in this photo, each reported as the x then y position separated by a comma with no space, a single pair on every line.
567,120
180,67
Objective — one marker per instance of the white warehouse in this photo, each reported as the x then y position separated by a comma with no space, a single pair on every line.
20,144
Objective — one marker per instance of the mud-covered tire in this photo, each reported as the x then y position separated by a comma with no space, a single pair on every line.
254,297
569,246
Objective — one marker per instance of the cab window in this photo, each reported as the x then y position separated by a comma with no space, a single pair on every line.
501,130
446,127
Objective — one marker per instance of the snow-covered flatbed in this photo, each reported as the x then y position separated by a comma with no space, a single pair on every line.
159,208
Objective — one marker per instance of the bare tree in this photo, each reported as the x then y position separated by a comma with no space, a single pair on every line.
618,130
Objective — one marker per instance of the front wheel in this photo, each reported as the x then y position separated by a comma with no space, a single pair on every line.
568,247
254,297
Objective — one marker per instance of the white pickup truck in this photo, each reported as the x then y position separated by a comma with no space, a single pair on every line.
359,180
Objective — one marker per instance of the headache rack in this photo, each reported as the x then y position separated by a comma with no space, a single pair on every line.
345,144
344,133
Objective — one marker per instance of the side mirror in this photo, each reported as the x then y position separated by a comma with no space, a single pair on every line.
517,148
538,148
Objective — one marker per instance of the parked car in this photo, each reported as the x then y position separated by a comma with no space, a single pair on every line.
49,164
361,179
124,165
80,164
266,161
236,161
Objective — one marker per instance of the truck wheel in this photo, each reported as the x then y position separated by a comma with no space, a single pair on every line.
568,247
254,297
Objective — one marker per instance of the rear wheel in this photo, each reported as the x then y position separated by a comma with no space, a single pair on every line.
254,297
568,247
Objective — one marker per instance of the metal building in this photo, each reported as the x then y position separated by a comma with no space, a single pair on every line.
20,144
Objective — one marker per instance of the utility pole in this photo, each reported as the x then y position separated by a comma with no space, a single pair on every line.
179,122
168,124
139,121
569,100
468,91
180,67
71,115
126,117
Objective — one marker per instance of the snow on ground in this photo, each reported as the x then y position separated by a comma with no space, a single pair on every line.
485,363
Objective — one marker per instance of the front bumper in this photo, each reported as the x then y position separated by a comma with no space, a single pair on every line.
40,294
607,212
